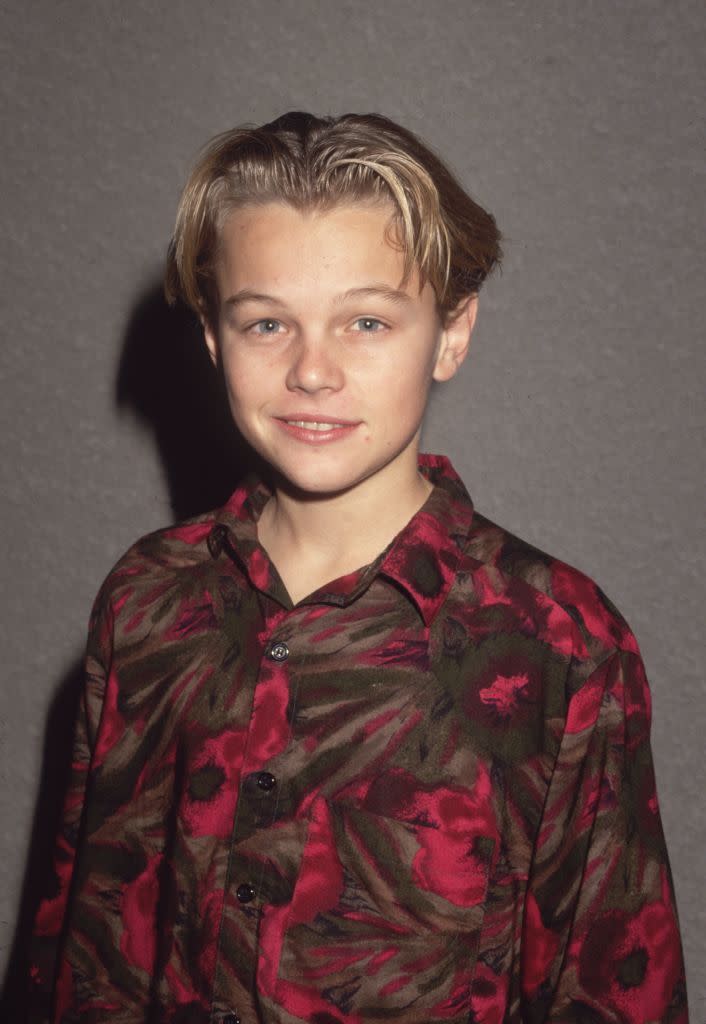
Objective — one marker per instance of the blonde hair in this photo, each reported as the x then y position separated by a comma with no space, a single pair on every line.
319,162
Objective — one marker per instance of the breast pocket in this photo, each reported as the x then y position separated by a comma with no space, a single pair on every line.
386,917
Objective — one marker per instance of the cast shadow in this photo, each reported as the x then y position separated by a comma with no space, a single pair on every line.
166,379
54,779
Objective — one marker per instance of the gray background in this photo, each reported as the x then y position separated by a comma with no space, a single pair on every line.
577,420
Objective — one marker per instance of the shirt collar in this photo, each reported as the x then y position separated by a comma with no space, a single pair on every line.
421,559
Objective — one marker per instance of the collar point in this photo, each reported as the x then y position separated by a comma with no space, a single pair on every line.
217,539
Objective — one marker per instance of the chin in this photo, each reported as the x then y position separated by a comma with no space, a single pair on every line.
330,477
319,483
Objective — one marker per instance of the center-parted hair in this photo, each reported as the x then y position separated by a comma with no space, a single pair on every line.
317,163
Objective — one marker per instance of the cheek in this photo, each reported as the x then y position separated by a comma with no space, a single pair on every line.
245,399
246,380
407,388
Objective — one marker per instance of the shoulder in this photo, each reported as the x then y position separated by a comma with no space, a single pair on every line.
157,568
181,546
574,613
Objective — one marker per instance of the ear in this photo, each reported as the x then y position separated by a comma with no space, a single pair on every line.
455,339
211,340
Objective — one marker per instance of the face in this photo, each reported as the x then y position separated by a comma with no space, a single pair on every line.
328,360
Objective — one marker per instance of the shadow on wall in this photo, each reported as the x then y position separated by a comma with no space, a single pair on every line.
167,379
38,879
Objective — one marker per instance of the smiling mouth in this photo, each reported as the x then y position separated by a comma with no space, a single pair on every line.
317,425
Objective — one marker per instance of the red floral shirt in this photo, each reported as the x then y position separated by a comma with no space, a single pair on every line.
422,794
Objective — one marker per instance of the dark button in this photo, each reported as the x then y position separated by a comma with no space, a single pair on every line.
231,1018
266,781
278,651
245,893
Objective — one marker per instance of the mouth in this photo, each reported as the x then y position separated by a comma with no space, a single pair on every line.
318,424
316,431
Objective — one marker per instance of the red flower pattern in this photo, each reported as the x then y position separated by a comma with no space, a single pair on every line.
435,801
632,962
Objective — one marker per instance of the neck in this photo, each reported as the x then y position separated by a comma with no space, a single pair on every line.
344,530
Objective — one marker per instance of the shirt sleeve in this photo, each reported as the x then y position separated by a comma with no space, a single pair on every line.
600,939
50,919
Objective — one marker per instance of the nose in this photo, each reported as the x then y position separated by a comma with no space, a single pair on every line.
315,365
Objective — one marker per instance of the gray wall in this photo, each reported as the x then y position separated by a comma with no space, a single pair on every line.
576,422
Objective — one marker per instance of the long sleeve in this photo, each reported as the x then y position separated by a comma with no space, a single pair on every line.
51,916
601,939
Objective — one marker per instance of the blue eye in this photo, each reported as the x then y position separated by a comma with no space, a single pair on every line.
270,326
371,324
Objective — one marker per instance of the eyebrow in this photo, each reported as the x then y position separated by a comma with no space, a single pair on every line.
380,291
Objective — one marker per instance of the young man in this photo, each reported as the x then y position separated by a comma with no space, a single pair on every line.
348,750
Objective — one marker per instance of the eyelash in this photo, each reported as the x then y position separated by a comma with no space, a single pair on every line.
270,320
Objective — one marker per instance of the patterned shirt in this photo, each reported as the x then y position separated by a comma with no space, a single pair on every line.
422,794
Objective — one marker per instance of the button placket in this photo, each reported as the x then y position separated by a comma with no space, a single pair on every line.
277,651
265,782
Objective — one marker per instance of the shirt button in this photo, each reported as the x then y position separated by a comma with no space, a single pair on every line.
278,651
266,781
245,893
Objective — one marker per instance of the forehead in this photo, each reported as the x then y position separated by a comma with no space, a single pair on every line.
287,246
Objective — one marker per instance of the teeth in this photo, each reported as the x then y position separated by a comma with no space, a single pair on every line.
307,425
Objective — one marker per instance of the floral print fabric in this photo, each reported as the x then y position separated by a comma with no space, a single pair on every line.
422,794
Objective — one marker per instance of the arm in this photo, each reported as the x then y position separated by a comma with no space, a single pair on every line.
600,939
50,919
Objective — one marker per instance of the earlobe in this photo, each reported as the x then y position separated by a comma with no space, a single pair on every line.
455,339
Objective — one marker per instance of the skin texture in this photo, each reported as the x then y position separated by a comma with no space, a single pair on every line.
306,350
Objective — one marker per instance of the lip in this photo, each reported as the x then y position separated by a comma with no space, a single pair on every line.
308,417
341,430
